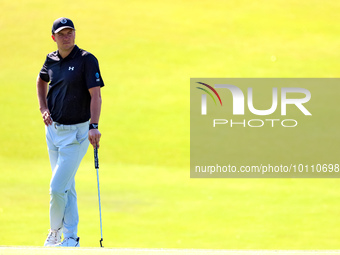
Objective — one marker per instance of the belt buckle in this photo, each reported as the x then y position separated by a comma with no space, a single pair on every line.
56,125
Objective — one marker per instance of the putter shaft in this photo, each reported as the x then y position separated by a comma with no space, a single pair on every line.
96,163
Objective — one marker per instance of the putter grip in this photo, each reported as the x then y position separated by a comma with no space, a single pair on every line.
96,162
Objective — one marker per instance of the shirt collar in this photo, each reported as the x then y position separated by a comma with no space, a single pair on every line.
72,53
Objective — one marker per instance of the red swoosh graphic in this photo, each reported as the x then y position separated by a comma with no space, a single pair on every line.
212,90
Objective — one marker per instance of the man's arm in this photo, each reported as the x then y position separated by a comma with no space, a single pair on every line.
42,93
95,108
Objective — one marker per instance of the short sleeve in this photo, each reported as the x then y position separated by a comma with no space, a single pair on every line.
93,77
44,72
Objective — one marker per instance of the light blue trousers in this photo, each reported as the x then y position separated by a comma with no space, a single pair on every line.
67,145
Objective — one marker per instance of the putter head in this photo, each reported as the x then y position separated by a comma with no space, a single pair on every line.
101,240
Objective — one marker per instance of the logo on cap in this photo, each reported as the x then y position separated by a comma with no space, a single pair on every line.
63,21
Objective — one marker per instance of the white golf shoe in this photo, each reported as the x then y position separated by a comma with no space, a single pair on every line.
69,242
53,238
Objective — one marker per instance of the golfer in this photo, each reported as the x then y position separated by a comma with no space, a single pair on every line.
68,88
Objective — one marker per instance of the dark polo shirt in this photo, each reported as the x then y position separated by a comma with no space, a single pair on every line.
70,78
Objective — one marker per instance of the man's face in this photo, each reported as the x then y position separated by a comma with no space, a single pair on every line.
65,39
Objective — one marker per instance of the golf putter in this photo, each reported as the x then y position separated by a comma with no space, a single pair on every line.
96,164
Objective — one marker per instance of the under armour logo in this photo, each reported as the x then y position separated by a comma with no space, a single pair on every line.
71,68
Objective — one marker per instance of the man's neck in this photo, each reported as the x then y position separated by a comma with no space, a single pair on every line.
65,53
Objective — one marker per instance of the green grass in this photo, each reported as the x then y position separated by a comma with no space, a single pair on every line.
129,251
148,51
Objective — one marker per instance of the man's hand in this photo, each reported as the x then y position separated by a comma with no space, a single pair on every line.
94,137
46,115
